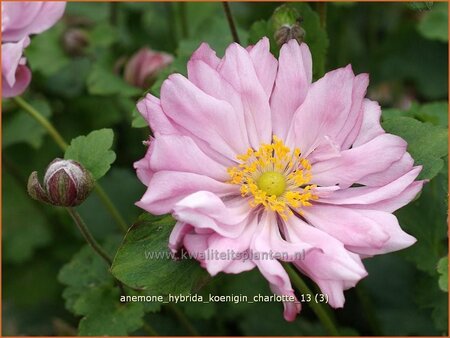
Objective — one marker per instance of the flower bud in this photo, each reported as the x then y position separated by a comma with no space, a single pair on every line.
286,33
286,22
75,41
143,67
66,183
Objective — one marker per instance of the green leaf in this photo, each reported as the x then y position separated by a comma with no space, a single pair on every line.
93,210
144,261
434,112
103,35
102,81
430,297
21,127
442,269
45,53
91,292
393,287
434,24
427,143
420,5
104,315
70,80
258,30
22,234
425,219
93,151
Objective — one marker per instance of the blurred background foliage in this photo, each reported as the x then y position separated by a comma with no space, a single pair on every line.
78,84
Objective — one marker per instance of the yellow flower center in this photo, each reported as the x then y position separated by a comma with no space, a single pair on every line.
272,182
274,177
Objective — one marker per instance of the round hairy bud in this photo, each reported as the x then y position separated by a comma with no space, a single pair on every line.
66,183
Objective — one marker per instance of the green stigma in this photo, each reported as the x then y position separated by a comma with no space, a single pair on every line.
272,183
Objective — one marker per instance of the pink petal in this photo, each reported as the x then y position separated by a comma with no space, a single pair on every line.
11,59
370,127
280,285
370,195
353,164
239,266
22,80
327,149
189,158
230,248
396,170
347,225
332,267
166,188
177,235
268,240
213,84
205,210
151,110
349,131
207,118
323,112
237,68
398,239
143,170
292,83
207,55
26,18
397,202
265,64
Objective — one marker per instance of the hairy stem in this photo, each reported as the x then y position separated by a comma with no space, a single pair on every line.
231,23
62,144
88,236
316,307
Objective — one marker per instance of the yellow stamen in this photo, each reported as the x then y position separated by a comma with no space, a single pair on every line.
275,177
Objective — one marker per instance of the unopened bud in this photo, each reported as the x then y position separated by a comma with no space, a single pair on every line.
286,23
143,67
286,33
75,41
66,183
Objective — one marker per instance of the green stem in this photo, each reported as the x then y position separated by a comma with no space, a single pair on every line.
231,23
316,307
62,144
184,321
88,236
42,121
322,9
111,208
184,20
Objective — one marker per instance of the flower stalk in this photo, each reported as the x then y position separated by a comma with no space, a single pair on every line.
231,23
88,236
62,144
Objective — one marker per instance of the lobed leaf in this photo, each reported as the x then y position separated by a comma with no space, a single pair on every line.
93,151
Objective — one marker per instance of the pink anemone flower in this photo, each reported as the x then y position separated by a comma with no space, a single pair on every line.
259,165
